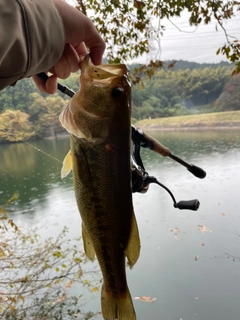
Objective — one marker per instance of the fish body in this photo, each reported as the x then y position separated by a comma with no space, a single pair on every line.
98,120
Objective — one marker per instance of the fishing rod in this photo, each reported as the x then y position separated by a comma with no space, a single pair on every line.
140,178
142,139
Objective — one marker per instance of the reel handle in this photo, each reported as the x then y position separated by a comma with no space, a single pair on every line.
188,205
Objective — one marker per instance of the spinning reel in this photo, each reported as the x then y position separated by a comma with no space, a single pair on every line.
141,179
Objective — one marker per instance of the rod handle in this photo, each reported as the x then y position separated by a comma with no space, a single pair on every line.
196,171
157,146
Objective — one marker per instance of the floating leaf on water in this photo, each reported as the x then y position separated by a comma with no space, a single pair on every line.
223,214
203,228
145,299
175,230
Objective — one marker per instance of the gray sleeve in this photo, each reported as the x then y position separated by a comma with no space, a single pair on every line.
32,38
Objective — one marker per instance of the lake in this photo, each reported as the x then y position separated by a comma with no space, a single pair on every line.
189,260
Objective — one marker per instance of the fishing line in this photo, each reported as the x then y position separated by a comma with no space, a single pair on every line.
30,145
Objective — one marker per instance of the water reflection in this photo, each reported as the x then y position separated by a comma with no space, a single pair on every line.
30,173
188,288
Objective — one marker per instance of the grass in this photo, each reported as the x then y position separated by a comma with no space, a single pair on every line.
227,118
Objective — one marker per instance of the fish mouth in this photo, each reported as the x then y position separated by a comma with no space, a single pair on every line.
102,74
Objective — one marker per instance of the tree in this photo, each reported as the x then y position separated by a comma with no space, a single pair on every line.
37,275
17,97
15,126
229,99
127,29
44,113
177,92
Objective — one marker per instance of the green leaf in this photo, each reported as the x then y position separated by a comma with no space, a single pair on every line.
57,254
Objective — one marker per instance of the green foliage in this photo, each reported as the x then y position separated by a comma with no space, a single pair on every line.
37,275
127,29
44,113
178,92
123,24
230,97
17,97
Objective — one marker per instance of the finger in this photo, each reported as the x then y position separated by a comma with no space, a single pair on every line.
69,62
80,49
79,28
72,57
94,42
49,86
61,68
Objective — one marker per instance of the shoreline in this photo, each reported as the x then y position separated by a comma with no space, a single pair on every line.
159,127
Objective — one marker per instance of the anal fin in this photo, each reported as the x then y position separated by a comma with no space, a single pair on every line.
132,251
87,243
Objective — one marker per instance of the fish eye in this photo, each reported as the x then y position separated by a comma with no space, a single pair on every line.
117,92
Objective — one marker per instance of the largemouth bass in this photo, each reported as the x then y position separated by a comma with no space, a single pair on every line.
98,120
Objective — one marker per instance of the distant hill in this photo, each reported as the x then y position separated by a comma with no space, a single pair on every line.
183,64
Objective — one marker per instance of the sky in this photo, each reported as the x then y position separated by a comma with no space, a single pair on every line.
198,44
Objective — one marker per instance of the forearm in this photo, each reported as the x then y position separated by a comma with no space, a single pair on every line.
31,38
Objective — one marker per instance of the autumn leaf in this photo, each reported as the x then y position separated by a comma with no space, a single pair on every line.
203,229
145,299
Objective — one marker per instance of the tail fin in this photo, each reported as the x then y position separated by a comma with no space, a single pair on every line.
117,307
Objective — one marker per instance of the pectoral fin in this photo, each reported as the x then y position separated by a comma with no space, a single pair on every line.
132,251
87,243
68,118
67,165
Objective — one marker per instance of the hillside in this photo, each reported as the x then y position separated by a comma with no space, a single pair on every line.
219,120
170,92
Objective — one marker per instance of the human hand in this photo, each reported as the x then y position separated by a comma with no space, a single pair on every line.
79,33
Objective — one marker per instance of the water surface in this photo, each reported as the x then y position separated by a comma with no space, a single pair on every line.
189,260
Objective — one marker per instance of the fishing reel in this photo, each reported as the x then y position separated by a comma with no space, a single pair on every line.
140,177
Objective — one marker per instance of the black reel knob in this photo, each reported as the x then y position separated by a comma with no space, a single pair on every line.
188,205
